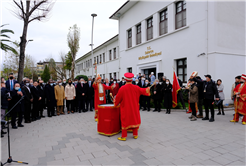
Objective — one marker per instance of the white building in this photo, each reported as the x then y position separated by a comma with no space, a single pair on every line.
206,36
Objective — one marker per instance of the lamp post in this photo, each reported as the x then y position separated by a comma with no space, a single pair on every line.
93,15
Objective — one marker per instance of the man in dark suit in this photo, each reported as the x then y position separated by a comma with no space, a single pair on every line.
50,96
89,95
180,94
36,99
28,100
122,82
82,90
107,92
146,99
42,101
76,104
157,95
141,84
10,83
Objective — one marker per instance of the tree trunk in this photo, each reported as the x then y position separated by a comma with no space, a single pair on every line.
22,52
72,69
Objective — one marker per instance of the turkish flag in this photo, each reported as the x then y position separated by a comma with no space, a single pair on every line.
176,88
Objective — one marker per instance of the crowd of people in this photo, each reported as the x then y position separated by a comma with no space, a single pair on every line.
78,96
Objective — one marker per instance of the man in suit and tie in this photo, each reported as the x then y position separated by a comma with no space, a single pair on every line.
107,92
89,95
42,101
36,99
82,90
10,83
28,100
142,100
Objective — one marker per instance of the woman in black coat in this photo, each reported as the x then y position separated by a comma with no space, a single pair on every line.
168,96
51,100
157,96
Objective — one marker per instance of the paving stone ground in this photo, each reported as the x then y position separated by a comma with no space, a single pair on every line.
163,140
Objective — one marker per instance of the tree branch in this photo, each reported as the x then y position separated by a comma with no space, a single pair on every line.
22,9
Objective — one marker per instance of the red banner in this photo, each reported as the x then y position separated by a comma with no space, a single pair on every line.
176,88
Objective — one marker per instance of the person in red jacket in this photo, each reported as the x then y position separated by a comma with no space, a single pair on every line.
116,88
99,95
240,92
128,98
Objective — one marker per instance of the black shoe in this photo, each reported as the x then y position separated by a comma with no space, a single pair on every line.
14,127
223,113
91,110
148,110
219,113
50,116
2,136
20,125
159,110
167,112
38,118
27,122
3,132
53,115
154,110
144,109
42,116
79,111
206,118
211,119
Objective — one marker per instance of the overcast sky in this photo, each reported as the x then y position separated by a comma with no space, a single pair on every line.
50,38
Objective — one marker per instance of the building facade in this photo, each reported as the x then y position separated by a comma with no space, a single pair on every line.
180,36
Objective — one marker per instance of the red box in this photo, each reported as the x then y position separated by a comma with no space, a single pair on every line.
108,119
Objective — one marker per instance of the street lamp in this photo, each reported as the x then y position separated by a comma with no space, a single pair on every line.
93,15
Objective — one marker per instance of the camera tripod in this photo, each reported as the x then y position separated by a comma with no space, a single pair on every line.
10,160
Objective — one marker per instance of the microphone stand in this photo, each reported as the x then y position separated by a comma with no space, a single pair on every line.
10,160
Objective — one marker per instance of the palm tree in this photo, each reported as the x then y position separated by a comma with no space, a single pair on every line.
5,38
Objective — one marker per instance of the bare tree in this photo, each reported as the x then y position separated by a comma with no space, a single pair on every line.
59,68
73,38
29,11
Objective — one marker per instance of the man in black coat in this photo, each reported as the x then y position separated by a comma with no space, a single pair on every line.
42,101
4,103
82,90
180,94
141,84
209,91
51,100
28,100
157,95
36,99
146,99
16,95
122,82
10,83
107,92
89,95
200,85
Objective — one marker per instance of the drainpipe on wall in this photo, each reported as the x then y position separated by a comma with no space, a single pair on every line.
207,37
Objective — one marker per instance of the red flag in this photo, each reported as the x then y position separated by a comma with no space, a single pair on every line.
176,88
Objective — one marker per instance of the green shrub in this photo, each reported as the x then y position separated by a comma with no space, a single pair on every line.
84,77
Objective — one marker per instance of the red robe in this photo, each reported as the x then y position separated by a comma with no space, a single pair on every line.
115,90
128,98
96,96
241,104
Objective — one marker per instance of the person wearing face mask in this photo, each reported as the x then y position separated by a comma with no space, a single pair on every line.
50,96
10,83
89,95
42,101
60,96
76,104
142,100
27,100
111,80
115,88
64,83
146,99
4,103
193,98
70,95
167,89
31,82
157,97
123,82
3,80
107,92
16,95
36,99
82,90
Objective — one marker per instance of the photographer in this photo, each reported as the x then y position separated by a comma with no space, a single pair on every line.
4,103
16,95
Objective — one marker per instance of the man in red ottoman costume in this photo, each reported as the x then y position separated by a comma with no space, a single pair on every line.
99,95
128,98
240,103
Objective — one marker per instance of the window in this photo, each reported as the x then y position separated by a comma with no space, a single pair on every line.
103,57
182,69
114,75
110,53
90,62
81,66
150,29
138,41
103,76
95,60
180,14
129,70
129,38
163,22
110,76
114,53
100,58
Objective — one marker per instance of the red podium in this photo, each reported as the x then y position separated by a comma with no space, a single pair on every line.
108,119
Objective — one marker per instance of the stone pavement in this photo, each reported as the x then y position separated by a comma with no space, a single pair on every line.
163,140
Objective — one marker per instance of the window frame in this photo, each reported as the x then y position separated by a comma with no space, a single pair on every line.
110,55
138,33
182,13
183,67
103,57
149,28
115,53
165,11
129,38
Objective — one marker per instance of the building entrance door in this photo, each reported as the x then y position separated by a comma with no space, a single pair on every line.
147,72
